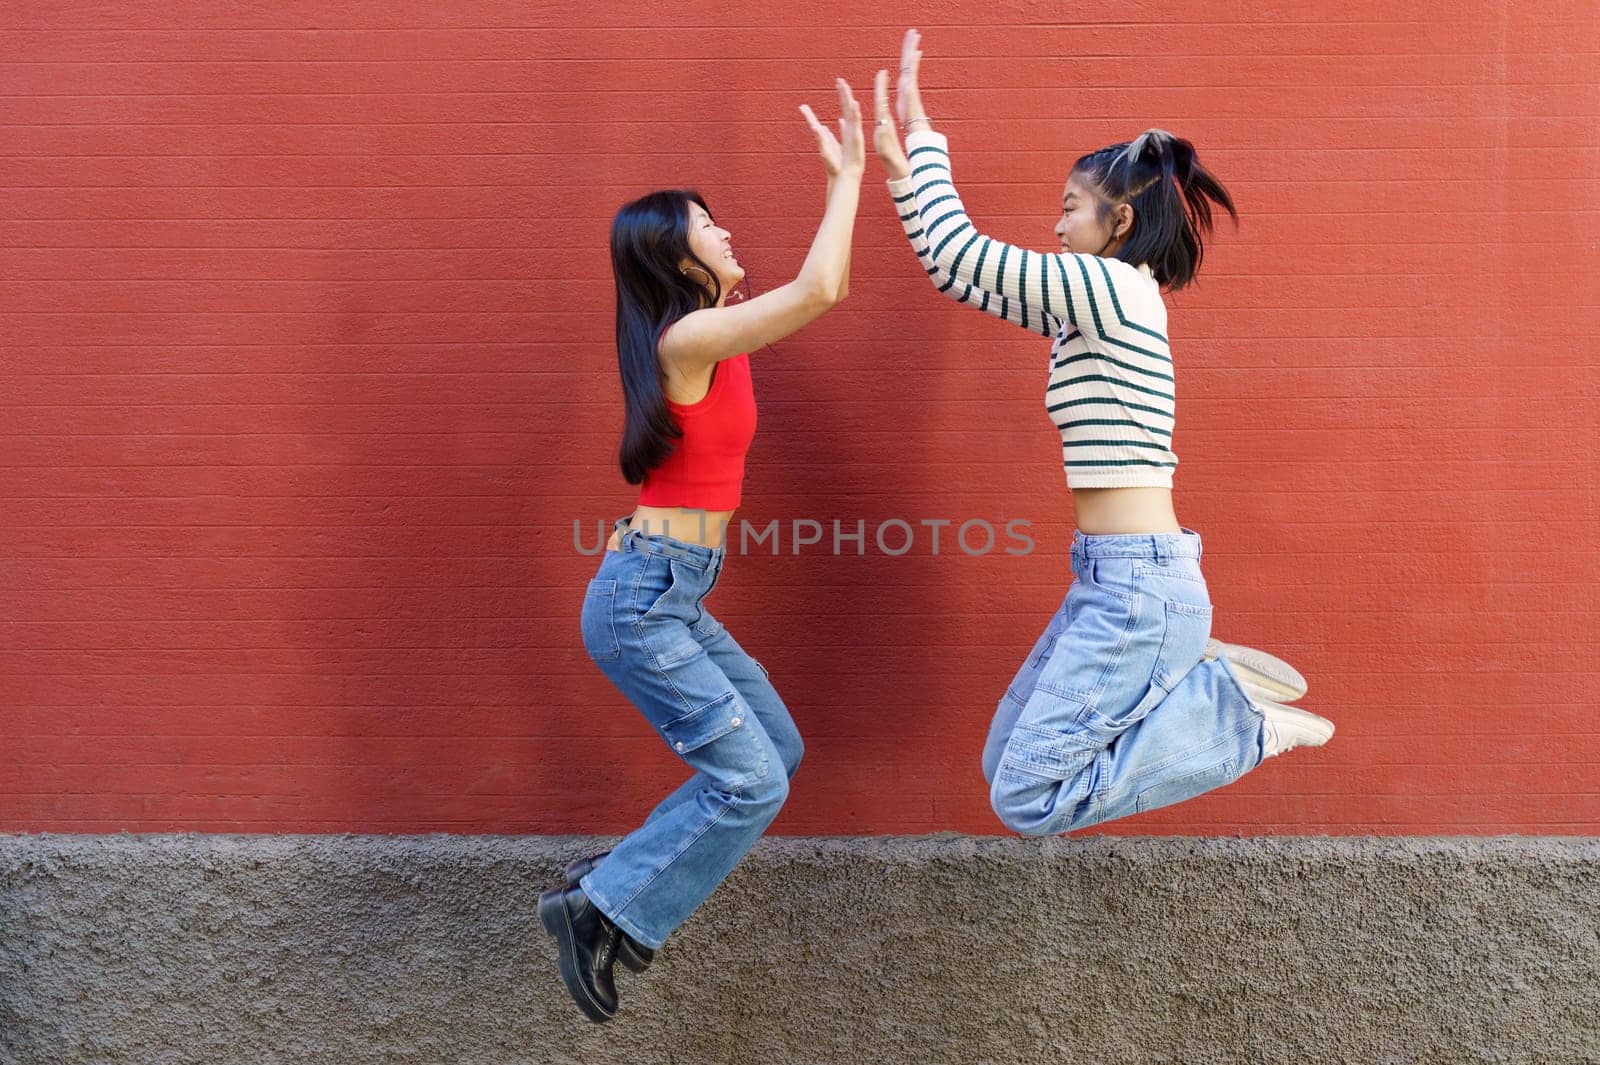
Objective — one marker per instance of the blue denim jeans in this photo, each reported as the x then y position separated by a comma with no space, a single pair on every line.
645,624
1114,713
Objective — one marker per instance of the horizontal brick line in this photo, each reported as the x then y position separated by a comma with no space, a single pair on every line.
459,648
1332,524
1381,830
886,280
973,152
547,28
933,616
535,761
887,246
727,60
587,498
577,587
811,733
602,343
1230,829
589,674
1519,338
387,313
153,120
431,256
1469,117
537,788
604,346
1276,86
1236,183
1465,118
1028,399
775,464
1250,183
233,252
589,373
751,618
997,340
585,375
1020,586
596,375
1377,281
607,434
297,821
1047,525
1029,186
1486,711
514,711
1521,212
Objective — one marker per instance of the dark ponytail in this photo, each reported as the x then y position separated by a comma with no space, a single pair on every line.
1160,176
649,239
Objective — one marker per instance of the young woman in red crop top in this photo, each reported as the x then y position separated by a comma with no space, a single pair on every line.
690,415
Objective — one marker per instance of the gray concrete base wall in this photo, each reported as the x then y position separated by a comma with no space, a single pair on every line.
426,949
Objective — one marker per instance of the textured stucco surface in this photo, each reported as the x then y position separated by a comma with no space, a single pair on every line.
356,949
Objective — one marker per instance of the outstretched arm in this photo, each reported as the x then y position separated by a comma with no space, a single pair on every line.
1050,287
902,189
715,333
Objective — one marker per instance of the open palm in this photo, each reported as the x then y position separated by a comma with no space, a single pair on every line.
848,150
908,104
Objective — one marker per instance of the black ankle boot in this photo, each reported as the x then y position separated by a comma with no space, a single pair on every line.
587,942
633,954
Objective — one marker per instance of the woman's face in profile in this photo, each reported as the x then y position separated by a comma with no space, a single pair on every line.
714,246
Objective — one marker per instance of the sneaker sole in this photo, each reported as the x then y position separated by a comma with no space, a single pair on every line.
1316,723
1256,693
1273,675
553,915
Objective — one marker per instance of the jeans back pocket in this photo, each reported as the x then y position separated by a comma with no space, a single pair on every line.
599,620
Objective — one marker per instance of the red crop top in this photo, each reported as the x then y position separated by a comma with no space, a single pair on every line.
706,468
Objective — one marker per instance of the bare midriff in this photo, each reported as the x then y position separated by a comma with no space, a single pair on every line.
707,528
1099,512
1109,511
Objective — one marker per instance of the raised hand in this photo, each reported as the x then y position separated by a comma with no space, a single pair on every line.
908,94
847,152
884,136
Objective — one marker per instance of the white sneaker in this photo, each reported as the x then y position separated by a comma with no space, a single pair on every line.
1287,727
1257,693
1278,679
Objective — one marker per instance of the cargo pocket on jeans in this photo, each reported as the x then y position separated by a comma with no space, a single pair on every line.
598,621
1039,752
1185,787
1188,626
723,717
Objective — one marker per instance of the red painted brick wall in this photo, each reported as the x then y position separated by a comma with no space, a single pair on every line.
306,371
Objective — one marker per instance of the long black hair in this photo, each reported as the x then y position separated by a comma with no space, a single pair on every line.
649,241
1160,175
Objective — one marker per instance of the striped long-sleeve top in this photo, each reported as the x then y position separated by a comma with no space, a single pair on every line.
1110,388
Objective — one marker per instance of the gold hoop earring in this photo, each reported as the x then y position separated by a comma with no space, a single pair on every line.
707,281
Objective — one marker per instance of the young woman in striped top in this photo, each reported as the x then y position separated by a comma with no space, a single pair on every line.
1124,703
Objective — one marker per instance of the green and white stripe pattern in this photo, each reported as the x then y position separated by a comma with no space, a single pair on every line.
1110,389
